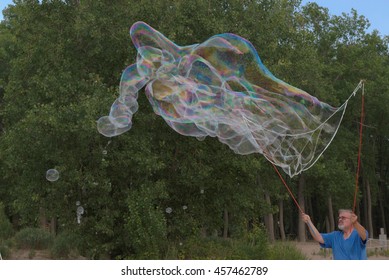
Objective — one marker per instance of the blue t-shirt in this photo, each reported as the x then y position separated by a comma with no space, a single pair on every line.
352,248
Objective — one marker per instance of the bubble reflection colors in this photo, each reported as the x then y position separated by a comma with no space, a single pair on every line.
220,88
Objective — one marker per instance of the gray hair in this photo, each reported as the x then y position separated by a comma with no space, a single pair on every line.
345,210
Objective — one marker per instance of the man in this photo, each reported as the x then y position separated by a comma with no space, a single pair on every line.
347,244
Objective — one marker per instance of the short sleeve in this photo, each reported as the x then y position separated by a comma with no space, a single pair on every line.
328,240
363,242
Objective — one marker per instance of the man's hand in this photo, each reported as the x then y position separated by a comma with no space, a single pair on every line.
354,218
312,229
305,218
360,229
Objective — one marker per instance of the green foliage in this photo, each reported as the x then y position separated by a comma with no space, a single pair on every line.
33,238
5,249
65,246
285,251
61,65
252,245
256,235
219,249
145,223
6,230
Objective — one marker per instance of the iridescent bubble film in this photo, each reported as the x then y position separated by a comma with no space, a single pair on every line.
52,175
80,212
220,88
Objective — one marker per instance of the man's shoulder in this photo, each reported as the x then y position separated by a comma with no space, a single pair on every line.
336,233
331,235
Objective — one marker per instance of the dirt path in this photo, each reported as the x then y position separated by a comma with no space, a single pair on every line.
27,254
313,251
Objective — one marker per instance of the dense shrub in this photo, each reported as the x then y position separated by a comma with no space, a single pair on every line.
33,238
65,246
5,225
285,251
5,249
215,248
253,245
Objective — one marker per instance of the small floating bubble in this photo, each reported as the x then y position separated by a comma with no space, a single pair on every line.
52,175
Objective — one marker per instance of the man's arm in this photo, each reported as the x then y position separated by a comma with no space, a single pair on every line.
359,228
312,229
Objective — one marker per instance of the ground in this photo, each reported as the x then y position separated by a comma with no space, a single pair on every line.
27,254
310,249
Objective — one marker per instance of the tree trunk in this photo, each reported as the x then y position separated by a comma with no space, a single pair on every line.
281,220
310,207
42,218
300,197
328,227
203,231
225,229
15,219
369,212
53,226
331,214
382,211
269,221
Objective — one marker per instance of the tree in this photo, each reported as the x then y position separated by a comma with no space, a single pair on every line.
61,65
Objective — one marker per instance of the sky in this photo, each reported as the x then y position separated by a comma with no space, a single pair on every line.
376,11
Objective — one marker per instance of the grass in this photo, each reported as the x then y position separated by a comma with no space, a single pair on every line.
285,251
378,252
228,249
33,238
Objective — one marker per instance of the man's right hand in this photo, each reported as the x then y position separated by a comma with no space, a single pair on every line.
305,218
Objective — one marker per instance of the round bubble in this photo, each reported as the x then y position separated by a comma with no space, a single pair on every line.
52,175
105,152
80,210
78,203
169,210
184,207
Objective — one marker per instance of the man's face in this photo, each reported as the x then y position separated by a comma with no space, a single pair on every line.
344,220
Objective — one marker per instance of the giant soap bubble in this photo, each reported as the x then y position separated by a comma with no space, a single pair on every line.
220,88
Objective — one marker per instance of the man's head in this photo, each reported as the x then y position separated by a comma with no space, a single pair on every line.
344,219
